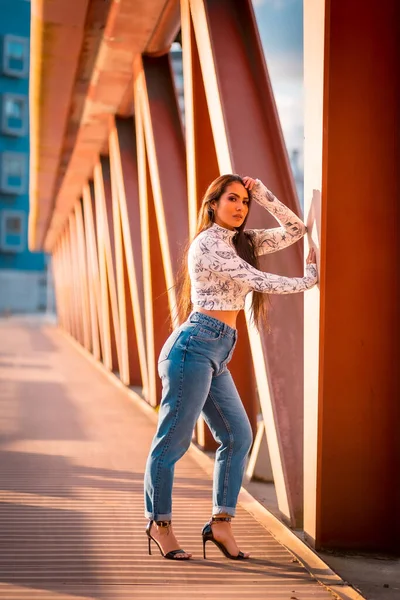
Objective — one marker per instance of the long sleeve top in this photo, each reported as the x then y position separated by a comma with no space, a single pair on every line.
221,280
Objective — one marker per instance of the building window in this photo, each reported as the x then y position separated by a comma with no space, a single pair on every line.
16,56
15,114
13,172
12,231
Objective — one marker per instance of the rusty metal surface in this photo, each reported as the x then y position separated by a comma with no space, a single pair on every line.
73,449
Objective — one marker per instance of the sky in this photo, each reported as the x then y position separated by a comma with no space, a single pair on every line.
280,23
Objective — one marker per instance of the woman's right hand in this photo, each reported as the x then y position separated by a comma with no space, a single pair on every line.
312,257
249,182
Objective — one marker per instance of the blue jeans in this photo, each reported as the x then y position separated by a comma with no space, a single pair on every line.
195,380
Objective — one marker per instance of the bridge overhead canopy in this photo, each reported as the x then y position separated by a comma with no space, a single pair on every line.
82,57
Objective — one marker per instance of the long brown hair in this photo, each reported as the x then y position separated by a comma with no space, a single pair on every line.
243,243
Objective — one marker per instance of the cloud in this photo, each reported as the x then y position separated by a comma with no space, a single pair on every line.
285,66
286,74
290,109
280,23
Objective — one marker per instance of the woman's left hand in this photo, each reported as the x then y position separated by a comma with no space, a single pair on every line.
312,257
249,182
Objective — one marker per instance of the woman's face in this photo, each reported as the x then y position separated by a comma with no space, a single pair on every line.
231,209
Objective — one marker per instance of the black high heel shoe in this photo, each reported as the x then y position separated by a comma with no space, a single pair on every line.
172,555
208,536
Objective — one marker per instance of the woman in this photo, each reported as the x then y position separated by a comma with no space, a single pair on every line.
222,270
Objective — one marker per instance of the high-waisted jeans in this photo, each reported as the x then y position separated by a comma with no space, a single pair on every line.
195,380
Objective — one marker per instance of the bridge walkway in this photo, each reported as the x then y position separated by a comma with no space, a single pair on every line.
72,454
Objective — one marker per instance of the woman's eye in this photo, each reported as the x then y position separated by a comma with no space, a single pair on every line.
246,202
232,198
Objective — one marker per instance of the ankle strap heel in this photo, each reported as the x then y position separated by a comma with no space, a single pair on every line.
163,524
208,536
173,554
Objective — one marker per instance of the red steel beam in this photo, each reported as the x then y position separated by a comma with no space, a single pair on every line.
357,452
98,340
106,253
167,163
69,290
123,157
202,162
83,275
130,371
67,283
59,285
156,310
75,279
161,166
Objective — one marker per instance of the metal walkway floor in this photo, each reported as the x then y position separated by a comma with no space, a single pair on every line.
73,449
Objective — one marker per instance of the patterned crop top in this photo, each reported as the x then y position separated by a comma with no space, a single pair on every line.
221,280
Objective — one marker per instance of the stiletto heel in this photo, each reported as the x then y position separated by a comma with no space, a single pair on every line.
208,536
172,555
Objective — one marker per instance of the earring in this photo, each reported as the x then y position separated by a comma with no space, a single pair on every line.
210,213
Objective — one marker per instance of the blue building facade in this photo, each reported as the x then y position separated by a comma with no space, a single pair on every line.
23,278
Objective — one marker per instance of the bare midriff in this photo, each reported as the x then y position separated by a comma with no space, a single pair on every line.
226,316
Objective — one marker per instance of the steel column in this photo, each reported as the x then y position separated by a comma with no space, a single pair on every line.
202,164
128,247
355,413
59,285
76,281
98,341
83,271
106,254
161,167
154,285
167,165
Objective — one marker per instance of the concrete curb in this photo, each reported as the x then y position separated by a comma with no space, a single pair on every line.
285,536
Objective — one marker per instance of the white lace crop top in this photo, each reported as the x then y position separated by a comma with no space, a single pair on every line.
221,280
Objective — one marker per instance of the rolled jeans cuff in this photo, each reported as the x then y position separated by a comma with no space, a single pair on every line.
152,517
229,510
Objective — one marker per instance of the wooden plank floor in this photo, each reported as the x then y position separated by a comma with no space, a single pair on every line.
72,454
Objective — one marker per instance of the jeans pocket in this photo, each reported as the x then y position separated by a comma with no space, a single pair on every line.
169,345
205,334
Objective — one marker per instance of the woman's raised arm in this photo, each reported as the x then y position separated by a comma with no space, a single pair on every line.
222,259
291,227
